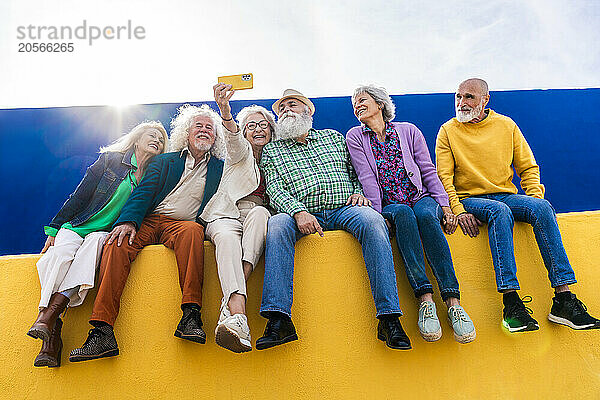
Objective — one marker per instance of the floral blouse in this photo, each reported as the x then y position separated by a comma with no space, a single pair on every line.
395,183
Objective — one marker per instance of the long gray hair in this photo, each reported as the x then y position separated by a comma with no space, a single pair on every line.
128,140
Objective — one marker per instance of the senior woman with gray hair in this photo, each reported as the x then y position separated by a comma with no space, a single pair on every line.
236,217
394,167
76,234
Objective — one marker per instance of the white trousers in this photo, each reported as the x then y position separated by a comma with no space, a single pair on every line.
238,240
71,262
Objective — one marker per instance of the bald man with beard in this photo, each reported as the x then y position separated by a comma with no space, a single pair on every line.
476,153
313,186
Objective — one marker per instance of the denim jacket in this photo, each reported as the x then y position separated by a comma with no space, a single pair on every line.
95,189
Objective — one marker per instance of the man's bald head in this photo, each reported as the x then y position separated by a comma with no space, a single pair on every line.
479,83
472,96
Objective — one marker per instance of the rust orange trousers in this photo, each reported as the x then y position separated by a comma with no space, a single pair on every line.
185,238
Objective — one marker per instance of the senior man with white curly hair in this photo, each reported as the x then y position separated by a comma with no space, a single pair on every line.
165,209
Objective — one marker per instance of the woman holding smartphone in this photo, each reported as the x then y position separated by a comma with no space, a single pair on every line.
237,216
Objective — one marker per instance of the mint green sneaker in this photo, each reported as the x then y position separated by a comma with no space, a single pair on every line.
429,324
464,330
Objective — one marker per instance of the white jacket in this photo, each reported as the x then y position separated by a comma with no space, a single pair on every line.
241,177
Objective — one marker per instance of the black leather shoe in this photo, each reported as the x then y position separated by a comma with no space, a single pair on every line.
279,330
390,331
190,326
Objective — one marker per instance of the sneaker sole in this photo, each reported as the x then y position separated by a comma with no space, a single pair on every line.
525,328
566,322
191,338
286,339
466,338
108,353
229,340
431,337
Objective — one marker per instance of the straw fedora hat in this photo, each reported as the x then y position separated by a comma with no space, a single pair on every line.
291,93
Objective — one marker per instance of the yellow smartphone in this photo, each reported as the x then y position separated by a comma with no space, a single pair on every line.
239,82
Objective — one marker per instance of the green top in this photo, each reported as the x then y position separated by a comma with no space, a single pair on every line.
312,176
106,217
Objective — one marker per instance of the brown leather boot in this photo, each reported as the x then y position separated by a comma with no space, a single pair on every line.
43,325
51,351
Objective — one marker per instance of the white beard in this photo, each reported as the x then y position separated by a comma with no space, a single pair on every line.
200,146
205,147
291,125
469,115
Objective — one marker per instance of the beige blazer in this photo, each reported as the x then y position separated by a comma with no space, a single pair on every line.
240,178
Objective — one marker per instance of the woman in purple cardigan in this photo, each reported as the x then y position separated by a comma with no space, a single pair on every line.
394,167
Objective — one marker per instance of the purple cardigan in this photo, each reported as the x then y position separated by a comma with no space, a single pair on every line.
415,155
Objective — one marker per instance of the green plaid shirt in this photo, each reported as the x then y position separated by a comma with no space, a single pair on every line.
312,176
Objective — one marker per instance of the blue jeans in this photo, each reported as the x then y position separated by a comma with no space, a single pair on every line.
364,223
500,210
423,222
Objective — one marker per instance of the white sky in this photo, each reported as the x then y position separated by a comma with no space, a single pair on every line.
322,48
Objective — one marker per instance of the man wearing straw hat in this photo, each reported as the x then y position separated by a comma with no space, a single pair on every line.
313,187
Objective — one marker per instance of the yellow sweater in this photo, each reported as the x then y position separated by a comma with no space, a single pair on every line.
478,158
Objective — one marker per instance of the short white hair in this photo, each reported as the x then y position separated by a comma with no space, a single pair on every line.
381,97
182,122
128,140
245,112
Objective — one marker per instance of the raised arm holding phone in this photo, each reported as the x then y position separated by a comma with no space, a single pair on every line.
237,216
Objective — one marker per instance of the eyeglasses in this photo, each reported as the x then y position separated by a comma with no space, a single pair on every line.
252,125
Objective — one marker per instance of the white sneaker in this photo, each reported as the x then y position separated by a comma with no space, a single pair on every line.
429,325
233,333
225,313
464,330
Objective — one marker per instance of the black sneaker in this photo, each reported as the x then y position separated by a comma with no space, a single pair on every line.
572,313
516,316
190,326
101,342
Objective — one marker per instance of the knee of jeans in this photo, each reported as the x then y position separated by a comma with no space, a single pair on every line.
280,224
427,216
543,209
402,213
501,212
372,218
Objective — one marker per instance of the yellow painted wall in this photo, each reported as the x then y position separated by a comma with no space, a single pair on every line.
338,355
